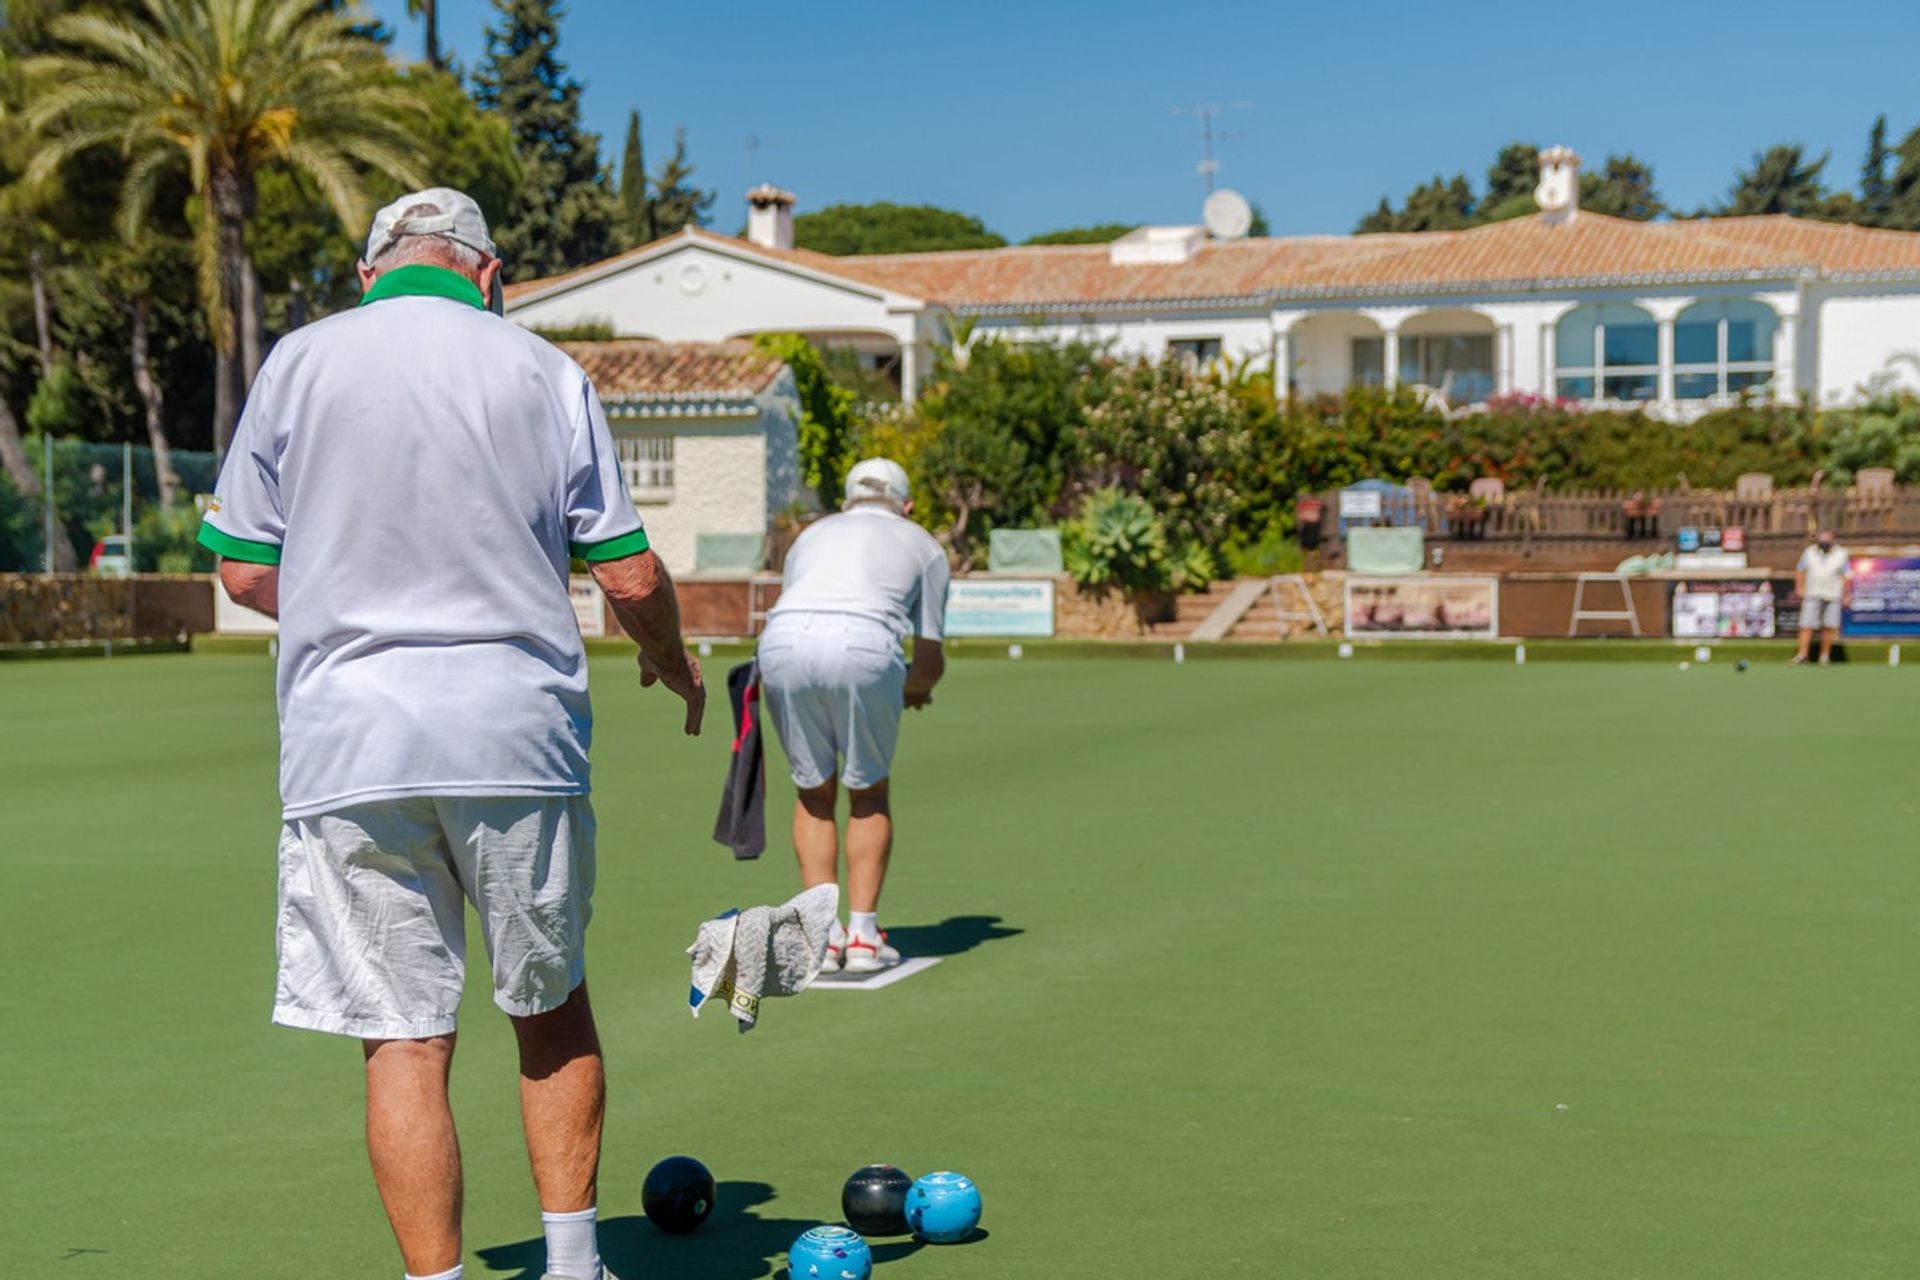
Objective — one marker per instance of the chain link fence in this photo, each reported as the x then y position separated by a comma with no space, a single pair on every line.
100,492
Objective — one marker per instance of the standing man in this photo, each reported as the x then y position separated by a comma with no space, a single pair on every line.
404,491
830,664
1824,581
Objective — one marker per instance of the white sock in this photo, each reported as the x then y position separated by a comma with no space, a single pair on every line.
864,925
573,1244
443,1275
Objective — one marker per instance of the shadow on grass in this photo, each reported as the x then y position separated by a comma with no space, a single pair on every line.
733,1244
950,937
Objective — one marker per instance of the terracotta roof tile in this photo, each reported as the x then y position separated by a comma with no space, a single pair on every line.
636,369
1834,248
1520,253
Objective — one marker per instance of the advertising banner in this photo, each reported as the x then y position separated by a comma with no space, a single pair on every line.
1723,611
1000,607
1420,607
1886,597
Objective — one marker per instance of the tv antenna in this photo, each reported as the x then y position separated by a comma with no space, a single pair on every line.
1207,113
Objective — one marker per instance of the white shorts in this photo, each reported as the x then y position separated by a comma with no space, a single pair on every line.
833,685
1816,615
372,935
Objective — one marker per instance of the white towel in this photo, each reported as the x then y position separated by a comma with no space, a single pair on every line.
762,951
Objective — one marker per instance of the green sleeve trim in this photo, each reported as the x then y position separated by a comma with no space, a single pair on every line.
225,544
627,544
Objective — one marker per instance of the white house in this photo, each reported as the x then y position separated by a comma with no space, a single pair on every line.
1671,316
706,435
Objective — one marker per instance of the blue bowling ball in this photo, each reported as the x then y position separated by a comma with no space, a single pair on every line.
943,1207
829,1253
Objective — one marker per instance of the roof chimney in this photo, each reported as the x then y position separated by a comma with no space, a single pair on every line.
770,216
1558,194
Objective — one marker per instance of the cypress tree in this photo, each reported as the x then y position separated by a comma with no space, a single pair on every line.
1876,193
636,210
565,215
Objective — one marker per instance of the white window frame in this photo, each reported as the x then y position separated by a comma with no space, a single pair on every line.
1191,350
1598,370
646,462
1721,367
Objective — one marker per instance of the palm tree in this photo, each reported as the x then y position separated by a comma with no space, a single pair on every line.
430,11
229,88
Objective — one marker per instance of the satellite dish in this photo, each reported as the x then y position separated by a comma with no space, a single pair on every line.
1227,214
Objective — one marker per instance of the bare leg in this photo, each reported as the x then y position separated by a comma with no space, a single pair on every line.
869,846
815,840
563,1102
1826,643
1806,643
415,1151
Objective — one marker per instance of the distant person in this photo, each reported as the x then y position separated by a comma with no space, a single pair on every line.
835,683
1824,582
404,491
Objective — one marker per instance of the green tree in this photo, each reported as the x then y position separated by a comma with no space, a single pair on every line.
676,201
1876,191
1903,189
564,215
1511,178
636,206
890,228
429,13
1441,205
1780,180
1259,228
1623,188
826,414
227,89
1099,233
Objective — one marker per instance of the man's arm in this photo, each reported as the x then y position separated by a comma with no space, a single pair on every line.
929,664
257,586
643,602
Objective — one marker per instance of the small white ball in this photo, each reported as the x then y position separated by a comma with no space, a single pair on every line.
1686,666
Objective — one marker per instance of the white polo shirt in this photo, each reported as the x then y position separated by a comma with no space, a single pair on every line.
1826,572
420,470
872,563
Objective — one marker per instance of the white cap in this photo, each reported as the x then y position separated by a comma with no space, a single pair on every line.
437,211
878,478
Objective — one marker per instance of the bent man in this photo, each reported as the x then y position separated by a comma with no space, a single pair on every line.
404,492
856,585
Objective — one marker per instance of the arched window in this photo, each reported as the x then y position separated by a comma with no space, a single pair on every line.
1608,351
1722,348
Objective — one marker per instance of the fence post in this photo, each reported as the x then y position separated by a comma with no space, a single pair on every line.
46,499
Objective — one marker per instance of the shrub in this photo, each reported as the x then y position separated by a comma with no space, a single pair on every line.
1116,540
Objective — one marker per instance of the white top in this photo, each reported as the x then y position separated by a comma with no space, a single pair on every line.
872,563
420,469
1827,572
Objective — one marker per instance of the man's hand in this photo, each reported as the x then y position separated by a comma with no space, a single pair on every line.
684,680
918,700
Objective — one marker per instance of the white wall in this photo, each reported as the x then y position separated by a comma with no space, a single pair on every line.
696,294
1859,334
719,482
1243,335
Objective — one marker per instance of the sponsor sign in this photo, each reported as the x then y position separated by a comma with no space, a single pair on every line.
1723,611
1886,597
1423,606
1000,607
1360,504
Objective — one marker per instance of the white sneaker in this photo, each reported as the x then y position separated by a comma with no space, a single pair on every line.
866,955
836,949
604,1275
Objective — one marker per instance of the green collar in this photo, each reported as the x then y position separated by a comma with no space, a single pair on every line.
422,280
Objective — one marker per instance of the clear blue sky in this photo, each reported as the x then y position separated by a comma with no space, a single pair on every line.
1049,114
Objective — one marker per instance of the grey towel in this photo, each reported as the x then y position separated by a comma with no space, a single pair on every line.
762,951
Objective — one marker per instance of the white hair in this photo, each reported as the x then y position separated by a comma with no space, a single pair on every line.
434,249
